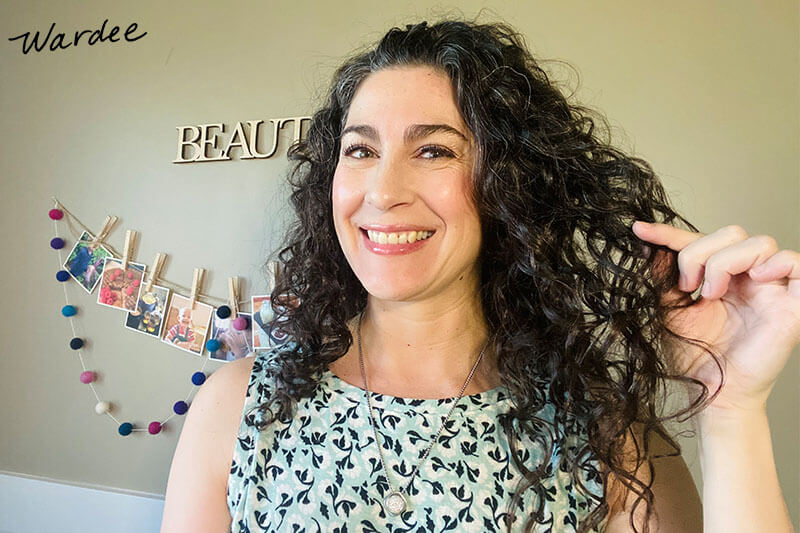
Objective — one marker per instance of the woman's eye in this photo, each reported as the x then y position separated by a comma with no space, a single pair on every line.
434,152
358,152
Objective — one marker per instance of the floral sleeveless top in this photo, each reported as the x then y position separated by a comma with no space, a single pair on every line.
321,471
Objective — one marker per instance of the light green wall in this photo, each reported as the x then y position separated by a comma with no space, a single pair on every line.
706,91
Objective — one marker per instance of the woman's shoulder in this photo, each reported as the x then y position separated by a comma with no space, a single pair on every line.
240,382
199,474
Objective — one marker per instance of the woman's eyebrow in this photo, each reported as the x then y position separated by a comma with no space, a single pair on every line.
414,132
420,131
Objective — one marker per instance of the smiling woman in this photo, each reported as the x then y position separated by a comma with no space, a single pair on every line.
481,334
405,174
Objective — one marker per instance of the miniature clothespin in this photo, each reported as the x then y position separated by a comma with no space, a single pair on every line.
197,283
233,296
105,230
155,272
273,271
130,244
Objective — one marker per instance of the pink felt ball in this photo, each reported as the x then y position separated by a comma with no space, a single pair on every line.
240,323
154,428
56,214
87,377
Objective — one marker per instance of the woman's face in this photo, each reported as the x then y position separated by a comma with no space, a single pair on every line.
402,207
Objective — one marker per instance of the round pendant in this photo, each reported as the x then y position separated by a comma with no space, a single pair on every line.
395,503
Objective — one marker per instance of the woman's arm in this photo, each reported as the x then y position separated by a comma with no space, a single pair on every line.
741,492
198,479
677,507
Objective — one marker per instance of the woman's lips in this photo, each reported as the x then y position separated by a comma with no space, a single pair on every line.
394,242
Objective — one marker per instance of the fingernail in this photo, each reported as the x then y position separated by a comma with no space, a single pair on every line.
706,290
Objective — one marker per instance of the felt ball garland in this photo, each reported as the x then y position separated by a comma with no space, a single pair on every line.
89,377
223,311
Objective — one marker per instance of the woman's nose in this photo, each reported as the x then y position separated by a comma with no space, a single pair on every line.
388,186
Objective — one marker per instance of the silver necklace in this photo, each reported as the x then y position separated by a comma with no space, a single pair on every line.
396,502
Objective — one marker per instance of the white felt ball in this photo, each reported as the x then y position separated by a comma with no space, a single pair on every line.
102,408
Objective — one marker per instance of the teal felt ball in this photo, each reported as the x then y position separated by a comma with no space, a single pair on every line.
198,378
68,310
125,429
212,345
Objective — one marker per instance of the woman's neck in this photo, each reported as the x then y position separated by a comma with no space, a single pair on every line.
420,349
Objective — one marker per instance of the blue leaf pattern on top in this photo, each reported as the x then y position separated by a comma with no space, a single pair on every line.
321,470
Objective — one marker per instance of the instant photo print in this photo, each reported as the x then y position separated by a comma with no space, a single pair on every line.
186,326
234,344
86,261
266,333
119,288
148,317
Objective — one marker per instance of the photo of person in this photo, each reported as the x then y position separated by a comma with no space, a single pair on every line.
234,344
85,261
119,288
265,333
148,317
186,327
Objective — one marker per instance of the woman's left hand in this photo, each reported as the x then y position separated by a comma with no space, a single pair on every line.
749,312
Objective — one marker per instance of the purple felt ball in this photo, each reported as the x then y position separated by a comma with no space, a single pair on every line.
56,214
154,428
57,243
87,377
180,407
240,323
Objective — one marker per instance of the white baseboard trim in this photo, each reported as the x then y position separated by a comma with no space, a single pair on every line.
32,504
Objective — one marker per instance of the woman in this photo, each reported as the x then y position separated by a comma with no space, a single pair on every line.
480,332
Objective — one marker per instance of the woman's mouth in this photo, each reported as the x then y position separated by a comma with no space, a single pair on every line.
395,242
404,237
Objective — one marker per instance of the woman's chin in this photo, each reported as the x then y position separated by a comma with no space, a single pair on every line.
392,294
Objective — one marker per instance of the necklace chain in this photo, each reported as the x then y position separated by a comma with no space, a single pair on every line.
395,492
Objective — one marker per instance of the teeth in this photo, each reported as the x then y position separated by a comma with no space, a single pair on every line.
398,238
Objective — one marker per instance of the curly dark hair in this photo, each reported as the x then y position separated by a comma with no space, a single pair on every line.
571,297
